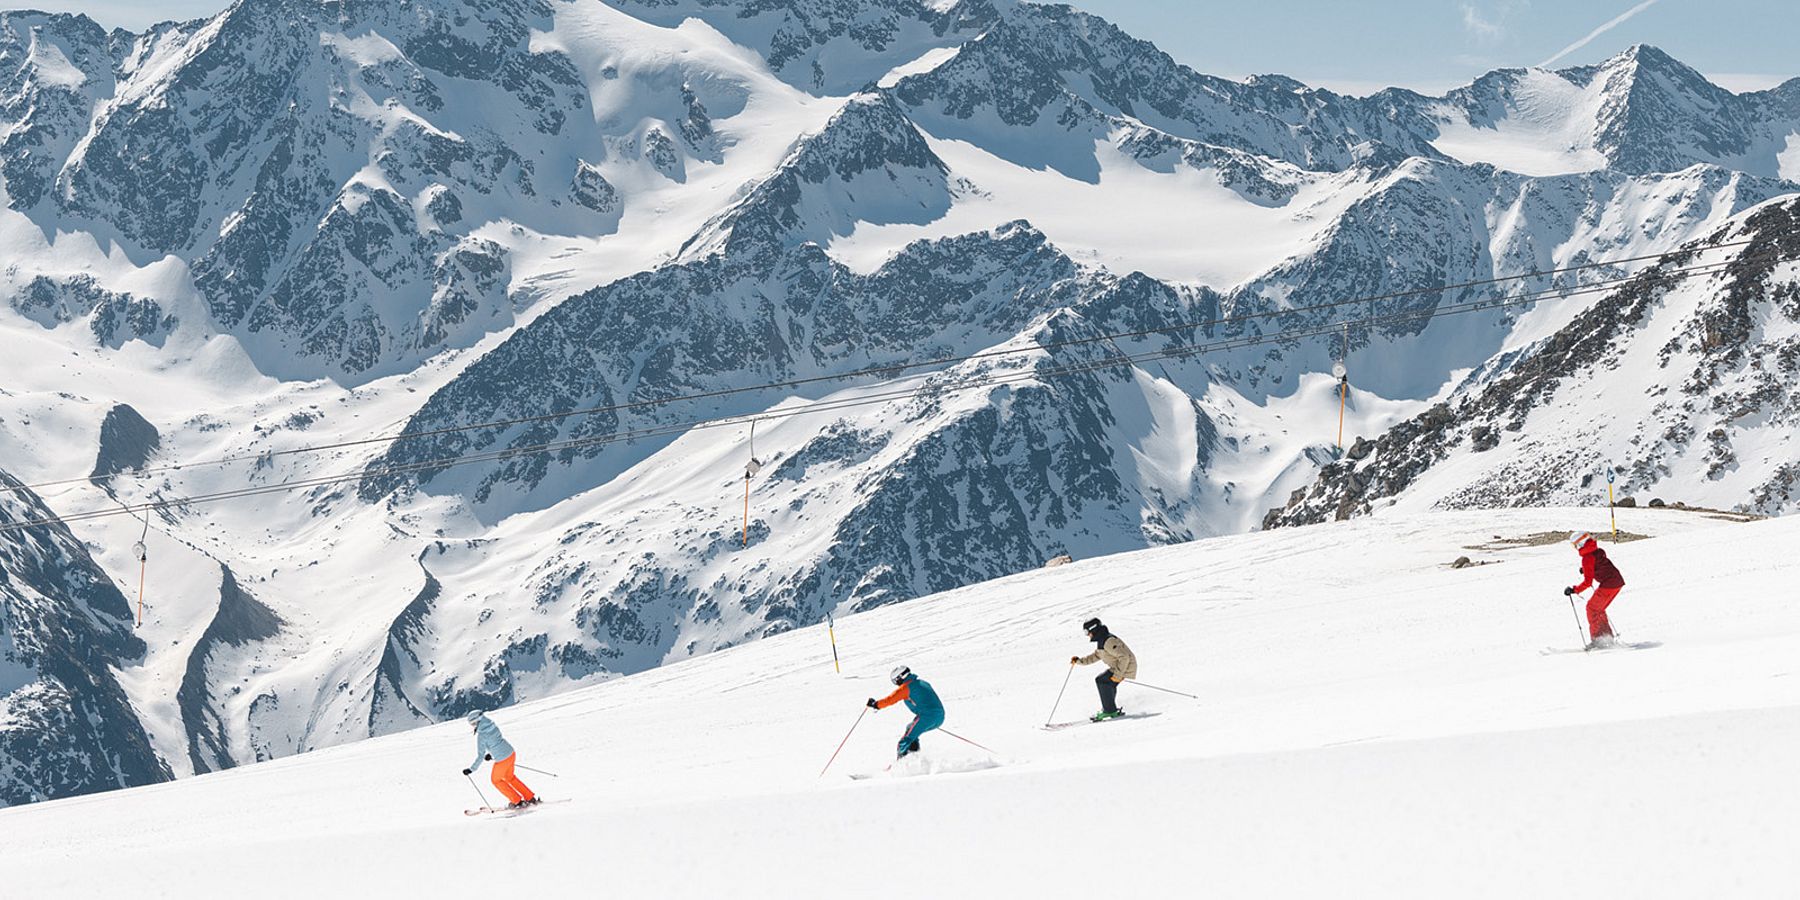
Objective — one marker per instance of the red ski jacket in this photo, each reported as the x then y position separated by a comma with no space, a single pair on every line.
1596,567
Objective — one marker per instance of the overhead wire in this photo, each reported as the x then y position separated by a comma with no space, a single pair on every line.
952,386
881,370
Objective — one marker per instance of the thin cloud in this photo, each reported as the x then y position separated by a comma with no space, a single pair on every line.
1620,20
1745,82
1480,26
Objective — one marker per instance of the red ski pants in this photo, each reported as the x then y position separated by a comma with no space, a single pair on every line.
1598,626
508,783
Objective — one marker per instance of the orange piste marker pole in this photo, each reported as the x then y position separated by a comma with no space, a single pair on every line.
1343,389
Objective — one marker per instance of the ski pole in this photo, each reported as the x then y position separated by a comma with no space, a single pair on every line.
1163,689
477,788
539,771
846,740
1579,631
967,741
1059,694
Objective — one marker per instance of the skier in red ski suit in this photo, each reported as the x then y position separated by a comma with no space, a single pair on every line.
1596,568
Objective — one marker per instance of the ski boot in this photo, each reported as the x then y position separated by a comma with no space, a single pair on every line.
1103,715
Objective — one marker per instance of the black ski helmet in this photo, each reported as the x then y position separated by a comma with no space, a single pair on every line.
899,674
1092,625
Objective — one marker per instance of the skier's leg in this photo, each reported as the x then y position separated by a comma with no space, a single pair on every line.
907,738
525,793
503,779
1598,625
927,723
1109,691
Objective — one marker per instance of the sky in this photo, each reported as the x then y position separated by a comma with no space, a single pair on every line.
1360,47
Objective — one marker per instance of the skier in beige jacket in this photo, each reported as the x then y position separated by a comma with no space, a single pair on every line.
1121,664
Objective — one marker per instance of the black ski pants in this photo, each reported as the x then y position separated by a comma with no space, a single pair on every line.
1109,691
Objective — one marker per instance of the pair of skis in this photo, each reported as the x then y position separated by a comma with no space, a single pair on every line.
507,812
1058,726
1621,645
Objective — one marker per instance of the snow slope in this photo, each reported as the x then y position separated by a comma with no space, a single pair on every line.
299,223
1370,720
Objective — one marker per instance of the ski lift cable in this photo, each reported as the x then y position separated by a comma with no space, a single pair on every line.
954,387
890,369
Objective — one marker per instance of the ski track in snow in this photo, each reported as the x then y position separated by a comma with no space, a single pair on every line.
1371,721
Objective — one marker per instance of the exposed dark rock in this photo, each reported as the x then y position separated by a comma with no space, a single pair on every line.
127,441
240,619
1483,437
592,190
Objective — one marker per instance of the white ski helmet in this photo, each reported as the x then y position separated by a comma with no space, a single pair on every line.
899,674
474,716
1579,538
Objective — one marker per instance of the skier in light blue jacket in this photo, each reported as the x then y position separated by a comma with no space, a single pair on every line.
490,745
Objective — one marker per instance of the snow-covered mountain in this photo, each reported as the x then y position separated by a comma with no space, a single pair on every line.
66,724
306,223
1716,424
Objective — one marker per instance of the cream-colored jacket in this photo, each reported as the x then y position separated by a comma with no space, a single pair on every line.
1116,655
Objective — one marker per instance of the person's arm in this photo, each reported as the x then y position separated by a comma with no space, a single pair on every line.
899,694
1587,573
1087,660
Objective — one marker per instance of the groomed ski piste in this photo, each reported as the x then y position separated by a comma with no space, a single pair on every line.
1371,722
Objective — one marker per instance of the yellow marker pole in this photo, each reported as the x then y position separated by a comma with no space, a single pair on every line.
1610,507
831,629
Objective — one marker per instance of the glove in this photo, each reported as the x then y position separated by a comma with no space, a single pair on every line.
873,704
1074,659
468,771
488,756
1118,680
1568,592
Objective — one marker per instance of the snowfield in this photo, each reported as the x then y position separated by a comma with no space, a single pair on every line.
1371,721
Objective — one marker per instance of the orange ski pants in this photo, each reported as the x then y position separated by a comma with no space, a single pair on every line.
508,783
1598,626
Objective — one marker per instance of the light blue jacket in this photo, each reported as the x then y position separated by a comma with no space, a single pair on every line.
488,742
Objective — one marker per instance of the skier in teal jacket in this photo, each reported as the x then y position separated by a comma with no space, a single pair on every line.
927,709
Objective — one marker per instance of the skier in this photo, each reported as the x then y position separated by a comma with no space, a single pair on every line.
1121,664
1595,567
489,745
927,709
